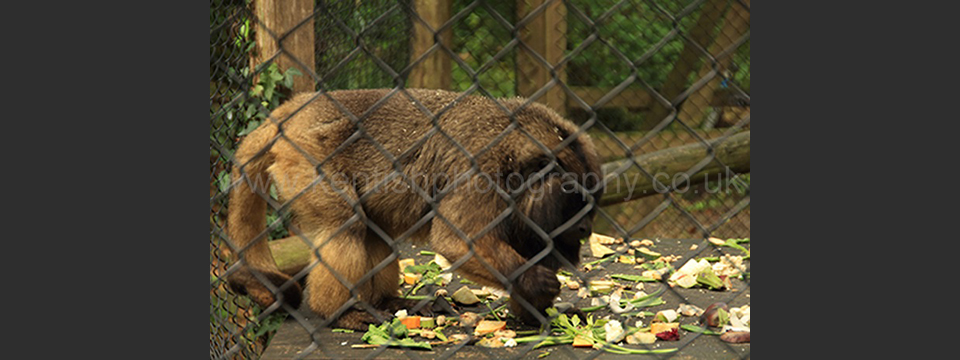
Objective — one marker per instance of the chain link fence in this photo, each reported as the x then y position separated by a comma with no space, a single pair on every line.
661,87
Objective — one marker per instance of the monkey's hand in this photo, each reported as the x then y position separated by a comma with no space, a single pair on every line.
538,286
413,306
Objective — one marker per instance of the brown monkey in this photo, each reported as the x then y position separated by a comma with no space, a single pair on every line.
335,180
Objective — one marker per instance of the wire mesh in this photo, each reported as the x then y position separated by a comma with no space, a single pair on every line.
660,86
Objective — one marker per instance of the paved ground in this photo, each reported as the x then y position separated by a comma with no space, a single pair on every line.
292,341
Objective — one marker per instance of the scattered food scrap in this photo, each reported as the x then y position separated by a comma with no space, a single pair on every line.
641,338
465,296
689,310
698,272
619,296
715,315
392,333
666,316
411,322
672,334
597,248
487,326
736,336
469,318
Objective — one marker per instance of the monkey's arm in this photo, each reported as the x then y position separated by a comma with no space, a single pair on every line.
531,290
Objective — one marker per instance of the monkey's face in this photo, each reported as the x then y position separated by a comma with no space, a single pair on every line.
561,203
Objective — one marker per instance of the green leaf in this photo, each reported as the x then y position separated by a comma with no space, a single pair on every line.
709,279
734,244
288,77
552,311
722,317
268,93
697,329
276,76
381,335
251,126
273,192
634,278
223,179
272,323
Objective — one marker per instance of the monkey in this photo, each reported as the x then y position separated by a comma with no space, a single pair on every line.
499,183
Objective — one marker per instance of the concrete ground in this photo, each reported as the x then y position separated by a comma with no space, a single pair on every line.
293,342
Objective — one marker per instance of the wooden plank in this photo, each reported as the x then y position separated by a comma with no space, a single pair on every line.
555,34
727,97
282,18
545,35
530,73
434,71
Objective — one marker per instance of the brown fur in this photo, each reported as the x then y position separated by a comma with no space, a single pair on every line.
291,153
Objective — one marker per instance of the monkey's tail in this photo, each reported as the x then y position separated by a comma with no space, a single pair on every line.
246,222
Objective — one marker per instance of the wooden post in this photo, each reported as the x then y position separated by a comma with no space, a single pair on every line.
434,72
736,22
546,35
702,33
280,17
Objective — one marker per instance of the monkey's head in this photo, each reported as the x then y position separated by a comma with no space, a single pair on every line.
556,182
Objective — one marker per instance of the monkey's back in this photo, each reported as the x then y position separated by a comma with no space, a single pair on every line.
397,131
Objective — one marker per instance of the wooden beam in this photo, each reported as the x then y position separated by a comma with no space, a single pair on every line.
545,35
281,18
291,254
608,150
434,71
733,152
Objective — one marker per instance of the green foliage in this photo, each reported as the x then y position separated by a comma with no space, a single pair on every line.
225,306
233,111
592,331
270,324
430,274
477,39
392,333
245,114
384,33
263,97
738,186
631,31
623,46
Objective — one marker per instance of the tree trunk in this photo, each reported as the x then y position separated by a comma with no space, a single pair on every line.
701,34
